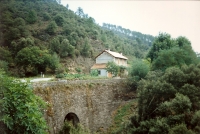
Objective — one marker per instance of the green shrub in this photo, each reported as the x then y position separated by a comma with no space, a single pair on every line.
94,72
78,70
21,107
60,69
46,16
31,17
59,20
68,128
180,129
60,75
113,68
51,28
139,69
4,65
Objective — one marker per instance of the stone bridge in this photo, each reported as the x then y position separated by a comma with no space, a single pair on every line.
92,103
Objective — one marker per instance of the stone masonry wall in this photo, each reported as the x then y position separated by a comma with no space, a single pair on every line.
94,102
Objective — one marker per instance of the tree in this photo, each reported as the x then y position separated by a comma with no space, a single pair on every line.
139,69
5,55
34,57
67,6
162,42
167,103
4,65
58,1
51,28
86,49
182,41
167,52
67,49
112,68
21,108
54,62
178,57
46,16
59,20
21,43
55,44
80,12
31,17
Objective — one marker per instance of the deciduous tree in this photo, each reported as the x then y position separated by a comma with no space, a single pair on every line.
22,109
112,68
34,57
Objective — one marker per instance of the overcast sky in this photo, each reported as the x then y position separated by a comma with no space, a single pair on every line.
177,18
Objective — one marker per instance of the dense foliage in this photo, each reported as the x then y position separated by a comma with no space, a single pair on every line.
69,128
169,101
112,68
22,110
139,70
169,94
167,52
49,28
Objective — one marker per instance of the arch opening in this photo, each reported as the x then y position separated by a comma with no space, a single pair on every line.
73,118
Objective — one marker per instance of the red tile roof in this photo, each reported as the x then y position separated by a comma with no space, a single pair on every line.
99,66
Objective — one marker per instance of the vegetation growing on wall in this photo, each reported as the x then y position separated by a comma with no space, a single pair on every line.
69,128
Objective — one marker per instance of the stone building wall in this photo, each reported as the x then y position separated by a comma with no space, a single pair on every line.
94,102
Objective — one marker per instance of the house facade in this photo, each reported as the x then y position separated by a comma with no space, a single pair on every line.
108,56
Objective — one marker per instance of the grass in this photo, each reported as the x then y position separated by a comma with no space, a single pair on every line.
122,115
82,77
66,77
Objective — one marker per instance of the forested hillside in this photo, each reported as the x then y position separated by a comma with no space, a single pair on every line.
127,33
42,35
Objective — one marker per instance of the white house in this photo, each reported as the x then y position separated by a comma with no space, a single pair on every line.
108,56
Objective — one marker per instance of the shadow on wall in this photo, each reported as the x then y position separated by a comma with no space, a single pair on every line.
73,118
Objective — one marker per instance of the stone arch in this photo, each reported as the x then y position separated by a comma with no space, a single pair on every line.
73,118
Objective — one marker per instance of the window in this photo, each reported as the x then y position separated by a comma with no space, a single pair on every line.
99,72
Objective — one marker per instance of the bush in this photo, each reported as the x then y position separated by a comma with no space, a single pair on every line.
180,129
94,72
112,68
21,107
59,20
46,16
51,28
139,69
60,75
60,69
4,65
68,128
54,62
78,70
31,17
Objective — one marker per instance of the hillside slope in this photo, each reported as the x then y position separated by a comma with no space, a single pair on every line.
35,36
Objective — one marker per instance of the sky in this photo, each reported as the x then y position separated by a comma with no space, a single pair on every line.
177,18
